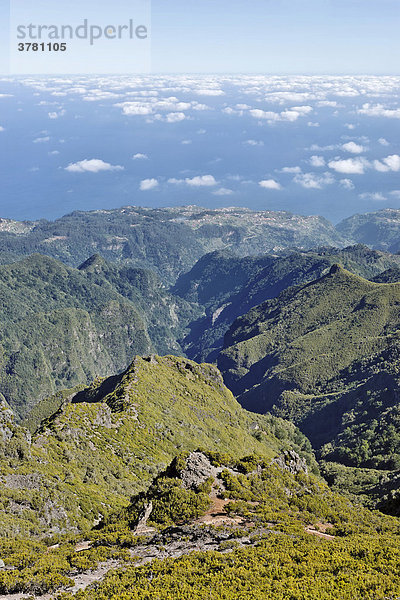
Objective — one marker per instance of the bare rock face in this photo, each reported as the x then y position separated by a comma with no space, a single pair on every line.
292,462
6,420
198,469
31,481
141,527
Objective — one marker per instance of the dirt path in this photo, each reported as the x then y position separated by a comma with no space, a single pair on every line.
320,530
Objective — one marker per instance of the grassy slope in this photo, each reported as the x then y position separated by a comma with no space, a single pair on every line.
109,440
228,286
325,355
264,547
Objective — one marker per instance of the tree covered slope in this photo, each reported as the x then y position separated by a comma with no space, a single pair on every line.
325,355
228,286
61,327
380,229
167,240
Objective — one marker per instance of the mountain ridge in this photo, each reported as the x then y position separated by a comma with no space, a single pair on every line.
324,354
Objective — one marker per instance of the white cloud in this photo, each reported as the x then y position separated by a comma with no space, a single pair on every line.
148,184
353,148
42,140
291,170
175,117
393,162
311,181
270,184
347,184
303,110
2,128
210,92
56,115
228,110
378,110
201,181
198,181
354,166
223,192
383,142
330,103
54,153
377,196
390,163
135,108
287,115
94,165
350,126
140,156
317,161
254,143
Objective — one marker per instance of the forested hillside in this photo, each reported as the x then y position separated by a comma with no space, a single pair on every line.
167,240
62,327
326,356
228,286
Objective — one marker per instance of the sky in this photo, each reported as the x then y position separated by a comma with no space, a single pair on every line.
277,36
227,36
268,104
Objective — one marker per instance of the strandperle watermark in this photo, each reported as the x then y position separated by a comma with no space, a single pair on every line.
84,37
85,31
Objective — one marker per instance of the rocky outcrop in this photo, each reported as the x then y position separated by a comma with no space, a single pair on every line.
198,469
292,462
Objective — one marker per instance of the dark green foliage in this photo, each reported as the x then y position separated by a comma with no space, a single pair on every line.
108,441
280,568
359,558
388,276
228,286
62,327
167,240
325,355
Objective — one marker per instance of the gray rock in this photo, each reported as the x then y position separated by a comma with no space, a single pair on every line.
23,482
144,516
292,462
198,470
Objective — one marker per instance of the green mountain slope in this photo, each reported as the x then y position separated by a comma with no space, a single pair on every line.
166,240
228,286
212,526
326,356
61,327
106,442
388,276
379,229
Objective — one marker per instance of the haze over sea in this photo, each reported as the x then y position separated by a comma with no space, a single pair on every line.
306,144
